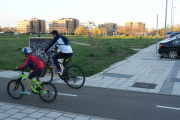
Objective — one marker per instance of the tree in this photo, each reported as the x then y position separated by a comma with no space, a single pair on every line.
103,30
153,31
94,43
161,31
168,28
0,28
96,30
142,29
121,29
127,30
176,27
80,30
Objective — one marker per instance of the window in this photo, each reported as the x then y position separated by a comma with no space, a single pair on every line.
177,41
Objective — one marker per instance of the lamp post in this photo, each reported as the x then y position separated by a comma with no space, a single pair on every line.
173,18
165,20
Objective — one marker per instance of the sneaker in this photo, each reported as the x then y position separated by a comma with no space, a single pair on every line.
26,92
58,71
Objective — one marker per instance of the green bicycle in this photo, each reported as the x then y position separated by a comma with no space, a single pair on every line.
46,90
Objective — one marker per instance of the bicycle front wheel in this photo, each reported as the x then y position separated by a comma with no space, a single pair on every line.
48,93
14,89
75,77
48,73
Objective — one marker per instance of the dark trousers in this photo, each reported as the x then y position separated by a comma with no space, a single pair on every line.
61,55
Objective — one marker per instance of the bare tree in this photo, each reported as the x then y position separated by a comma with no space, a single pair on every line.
94,43
121,29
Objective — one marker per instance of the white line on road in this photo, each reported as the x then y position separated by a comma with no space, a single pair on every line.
66,94
168,107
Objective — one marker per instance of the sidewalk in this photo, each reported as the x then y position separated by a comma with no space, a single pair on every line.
10,111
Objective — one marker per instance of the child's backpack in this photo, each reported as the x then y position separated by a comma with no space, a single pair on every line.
65,40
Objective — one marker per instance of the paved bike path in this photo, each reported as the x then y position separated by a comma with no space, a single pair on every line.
106,103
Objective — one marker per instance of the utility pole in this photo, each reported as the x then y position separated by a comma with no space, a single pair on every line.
173,18
171,15
8,29
156,33
165,20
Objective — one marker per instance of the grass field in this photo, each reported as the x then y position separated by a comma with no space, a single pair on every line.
111,50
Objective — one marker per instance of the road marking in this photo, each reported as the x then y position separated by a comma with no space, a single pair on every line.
66,94
168,107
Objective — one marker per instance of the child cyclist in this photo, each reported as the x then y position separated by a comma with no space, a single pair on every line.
34,64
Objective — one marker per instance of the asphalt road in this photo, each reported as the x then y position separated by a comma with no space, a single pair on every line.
116,104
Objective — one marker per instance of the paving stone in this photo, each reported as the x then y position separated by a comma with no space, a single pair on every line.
36,115
64,118
153,91
69,115
10,119
43,111
95,119
54,114
81,118
19,115
29,110
20,107
12,111
2,104
3,116
28,119
46,118
7,107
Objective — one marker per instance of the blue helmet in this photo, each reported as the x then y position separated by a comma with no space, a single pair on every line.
26,50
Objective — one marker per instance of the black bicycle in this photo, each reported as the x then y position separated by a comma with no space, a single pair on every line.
72,75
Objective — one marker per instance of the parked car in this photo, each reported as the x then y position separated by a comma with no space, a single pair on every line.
172,35
170,47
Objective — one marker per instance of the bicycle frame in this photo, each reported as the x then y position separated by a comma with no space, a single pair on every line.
36,84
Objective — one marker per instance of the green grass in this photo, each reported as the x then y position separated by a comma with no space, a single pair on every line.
111,50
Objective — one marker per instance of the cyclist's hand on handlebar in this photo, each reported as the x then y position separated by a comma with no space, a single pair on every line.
43,52
53,50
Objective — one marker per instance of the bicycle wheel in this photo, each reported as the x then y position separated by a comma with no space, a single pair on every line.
75,77
48,93
14,89
48,73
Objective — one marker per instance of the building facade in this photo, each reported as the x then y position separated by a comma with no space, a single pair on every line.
48,27
134,27
110,27
65,25
88,25
32,26
23,26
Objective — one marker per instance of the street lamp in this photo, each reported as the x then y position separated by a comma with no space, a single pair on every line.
173,18
171,15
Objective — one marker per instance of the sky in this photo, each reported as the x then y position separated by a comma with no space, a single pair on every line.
97,11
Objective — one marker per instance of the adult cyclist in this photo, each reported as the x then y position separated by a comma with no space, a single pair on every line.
65,50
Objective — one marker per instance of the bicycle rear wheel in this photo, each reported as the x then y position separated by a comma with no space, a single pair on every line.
14,89
75,77
48,93
48,73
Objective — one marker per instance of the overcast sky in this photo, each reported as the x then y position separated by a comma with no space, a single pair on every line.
98,11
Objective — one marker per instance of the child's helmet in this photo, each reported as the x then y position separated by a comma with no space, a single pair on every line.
26,50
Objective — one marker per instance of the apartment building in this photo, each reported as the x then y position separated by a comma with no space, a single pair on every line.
88,25
110,27
134,25
65,24
32,26
48,27
128,25
23,26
